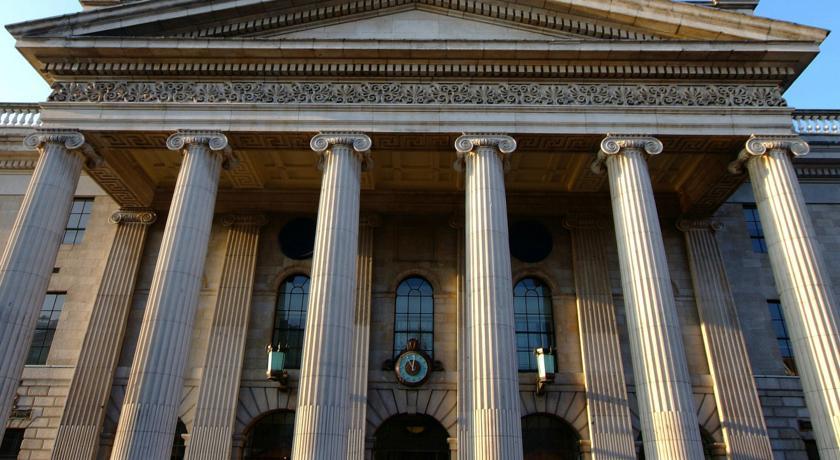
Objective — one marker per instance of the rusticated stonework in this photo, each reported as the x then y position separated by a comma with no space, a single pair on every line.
419,93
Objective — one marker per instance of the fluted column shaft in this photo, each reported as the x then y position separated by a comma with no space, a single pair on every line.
736,396
804,284
84,410
464,412
361,343
493,378
608,410
212,431
147,422
321,419
663,385
27,262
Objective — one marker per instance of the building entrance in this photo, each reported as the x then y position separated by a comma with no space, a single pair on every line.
411,437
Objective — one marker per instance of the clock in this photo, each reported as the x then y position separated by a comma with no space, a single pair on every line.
412,366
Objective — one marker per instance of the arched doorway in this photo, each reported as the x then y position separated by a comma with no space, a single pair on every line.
270,437
411,437
547,437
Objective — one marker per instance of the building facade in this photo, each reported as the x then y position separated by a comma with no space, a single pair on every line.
472,229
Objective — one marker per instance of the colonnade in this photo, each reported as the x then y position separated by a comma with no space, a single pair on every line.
328,421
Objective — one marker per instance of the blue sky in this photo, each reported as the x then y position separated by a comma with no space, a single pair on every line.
816,88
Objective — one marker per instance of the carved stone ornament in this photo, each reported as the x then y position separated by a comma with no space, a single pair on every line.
215,141
614,144
133,216
73,141
687,225
358,143
245,220
759,145
465,144
398,93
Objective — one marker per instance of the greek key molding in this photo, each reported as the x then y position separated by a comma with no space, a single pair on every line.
215,141
614,144
757,146
73,141
358,143
133,216
400,93
465,144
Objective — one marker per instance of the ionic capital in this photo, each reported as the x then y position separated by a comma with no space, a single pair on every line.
133,216
358,143
687,225
72,141
466,144
214,140
759,145
245,220
615,144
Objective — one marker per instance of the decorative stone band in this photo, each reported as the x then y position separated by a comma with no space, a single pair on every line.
244,220
687,225
585,222
215,141
465,144
359,143
759,145
18,164
397,93
73,141
133,216
614,144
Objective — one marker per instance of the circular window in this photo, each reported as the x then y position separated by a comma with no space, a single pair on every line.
530,241
297,238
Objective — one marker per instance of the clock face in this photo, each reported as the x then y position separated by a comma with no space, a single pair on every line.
412,368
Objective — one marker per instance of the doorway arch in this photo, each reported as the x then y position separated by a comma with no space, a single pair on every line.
270,436
548,437
411,437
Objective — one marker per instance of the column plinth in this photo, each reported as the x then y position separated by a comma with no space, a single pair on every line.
27,262
804,284
663,384
493,380
84,410
322,415
148,417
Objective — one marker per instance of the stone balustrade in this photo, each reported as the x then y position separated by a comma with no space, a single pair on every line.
20,116
824,122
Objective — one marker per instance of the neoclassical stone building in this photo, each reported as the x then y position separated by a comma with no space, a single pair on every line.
419,229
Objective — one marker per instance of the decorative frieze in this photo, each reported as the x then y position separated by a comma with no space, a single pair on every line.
398,93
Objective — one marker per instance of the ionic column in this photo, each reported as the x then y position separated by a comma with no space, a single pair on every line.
84,410
146,427
608,410
493,378
321,419
663,385
737,400
27,262
212,431
802,280
361,341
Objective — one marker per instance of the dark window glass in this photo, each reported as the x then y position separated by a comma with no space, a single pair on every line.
414,315
534,321
270,437
179,446
546,436
290,318
10,446
754,228
530,241
782,337
45,328
297,238
74,232
411,437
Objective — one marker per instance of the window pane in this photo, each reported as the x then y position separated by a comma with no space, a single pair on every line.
414,314
290,317
45,328
534,320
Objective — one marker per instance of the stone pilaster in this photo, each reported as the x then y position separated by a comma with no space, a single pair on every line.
463,441
212,431
321,419
493,378
608,409
27,262
146,427
84,410
804,284
361,341
735,393
663,384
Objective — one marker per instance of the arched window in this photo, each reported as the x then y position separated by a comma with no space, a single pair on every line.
547,437
414,315
534,321
290,317
270,437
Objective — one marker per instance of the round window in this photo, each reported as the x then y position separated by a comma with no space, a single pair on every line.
297,238
530,241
